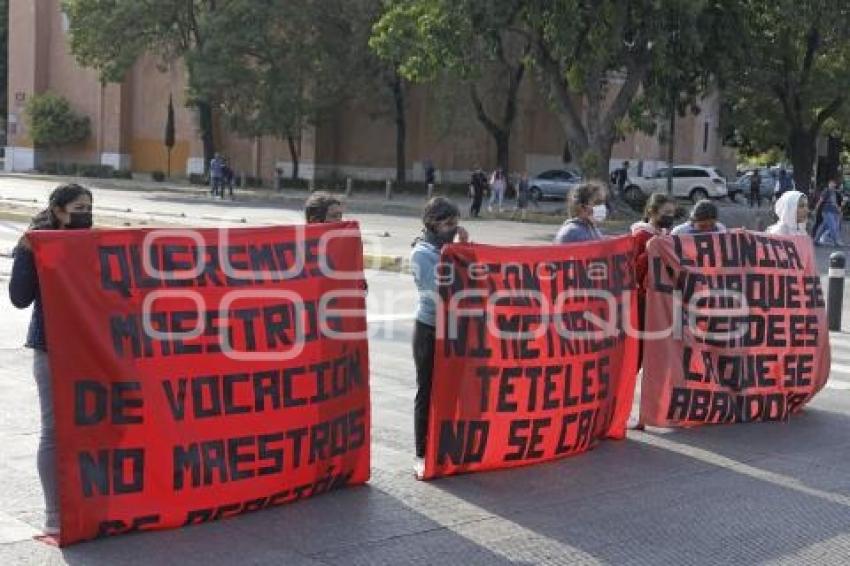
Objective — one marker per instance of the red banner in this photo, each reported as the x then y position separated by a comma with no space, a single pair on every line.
744,312
200,374
532,358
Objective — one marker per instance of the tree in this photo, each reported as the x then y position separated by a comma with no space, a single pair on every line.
471,40
52,122
700,35
789,83
169,132
110,35
286,73
592,59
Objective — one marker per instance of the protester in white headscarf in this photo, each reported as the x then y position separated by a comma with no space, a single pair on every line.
792,208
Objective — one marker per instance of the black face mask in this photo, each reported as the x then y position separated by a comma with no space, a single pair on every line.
666,221
447,236
79,221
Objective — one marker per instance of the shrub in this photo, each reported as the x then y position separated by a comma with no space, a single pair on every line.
197,179
96,171
158,176
52,122
122,174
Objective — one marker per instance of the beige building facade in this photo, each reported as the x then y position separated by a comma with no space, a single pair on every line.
358,140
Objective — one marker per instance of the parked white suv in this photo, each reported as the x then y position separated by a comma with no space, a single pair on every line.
694,182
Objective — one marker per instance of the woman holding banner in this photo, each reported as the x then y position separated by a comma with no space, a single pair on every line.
792,208
69,208
587,209
440,227
658,218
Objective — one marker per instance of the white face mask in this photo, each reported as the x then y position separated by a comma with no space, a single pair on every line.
600,213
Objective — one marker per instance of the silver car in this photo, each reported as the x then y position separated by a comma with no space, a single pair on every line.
554,183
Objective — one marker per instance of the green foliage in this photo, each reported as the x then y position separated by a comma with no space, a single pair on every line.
789,82
158,176
52,122
122,174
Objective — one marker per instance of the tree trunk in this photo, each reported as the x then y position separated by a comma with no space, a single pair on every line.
503,149
293,154
802,152
671,149
205,119
400,129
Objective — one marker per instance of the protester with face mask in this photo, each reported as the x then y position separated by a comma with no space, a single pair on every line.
792,208
587,210
69,208
703,219
440,227
658,218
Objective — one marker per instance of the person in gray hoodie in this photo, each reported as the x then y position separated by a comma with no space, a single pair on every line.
440,227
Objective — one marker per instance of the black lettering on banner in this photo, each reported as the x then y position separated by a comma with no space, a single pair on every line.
527,445
94,402
119,527
462,442
106,472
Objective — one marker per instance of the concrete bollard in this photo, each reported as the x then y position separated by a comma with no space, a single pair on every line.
837,271
430,190
389,189
311,185
349,184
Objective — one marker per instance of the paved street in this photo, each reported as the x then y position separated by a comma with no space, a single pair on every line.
774,493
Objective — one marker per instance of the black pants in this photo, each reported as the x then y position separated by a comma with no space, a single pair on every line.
424,339
755,198
475,209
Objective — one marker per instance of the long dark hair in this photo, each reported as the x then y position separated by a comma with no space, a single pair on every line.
60,197
654,204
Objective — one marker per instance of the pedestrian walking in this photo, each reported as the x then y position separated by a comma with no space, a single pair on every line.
69,208
587,210
440,227
755,189
523,195
498,185
830,208
783,184
792,209
227,175
216,175
477,188
621,176
703,219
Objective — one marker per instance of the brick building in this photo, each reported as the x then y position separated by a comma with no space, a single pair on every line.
128,123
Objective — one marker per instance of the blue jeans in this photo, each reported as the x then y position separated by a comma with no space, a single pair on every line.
830,228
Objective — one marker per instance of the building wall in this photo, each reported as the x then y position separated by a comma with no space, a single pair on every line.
358,139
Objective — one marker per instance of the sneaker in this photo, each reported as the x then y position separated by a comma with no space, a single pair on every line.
419,468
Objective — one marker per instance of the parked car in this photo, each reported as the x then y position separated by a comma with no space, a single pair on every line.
767,181
554,183
695,182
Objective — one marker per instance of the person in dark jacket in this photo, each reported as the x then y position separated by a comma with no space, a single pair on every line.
70,207
477,188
